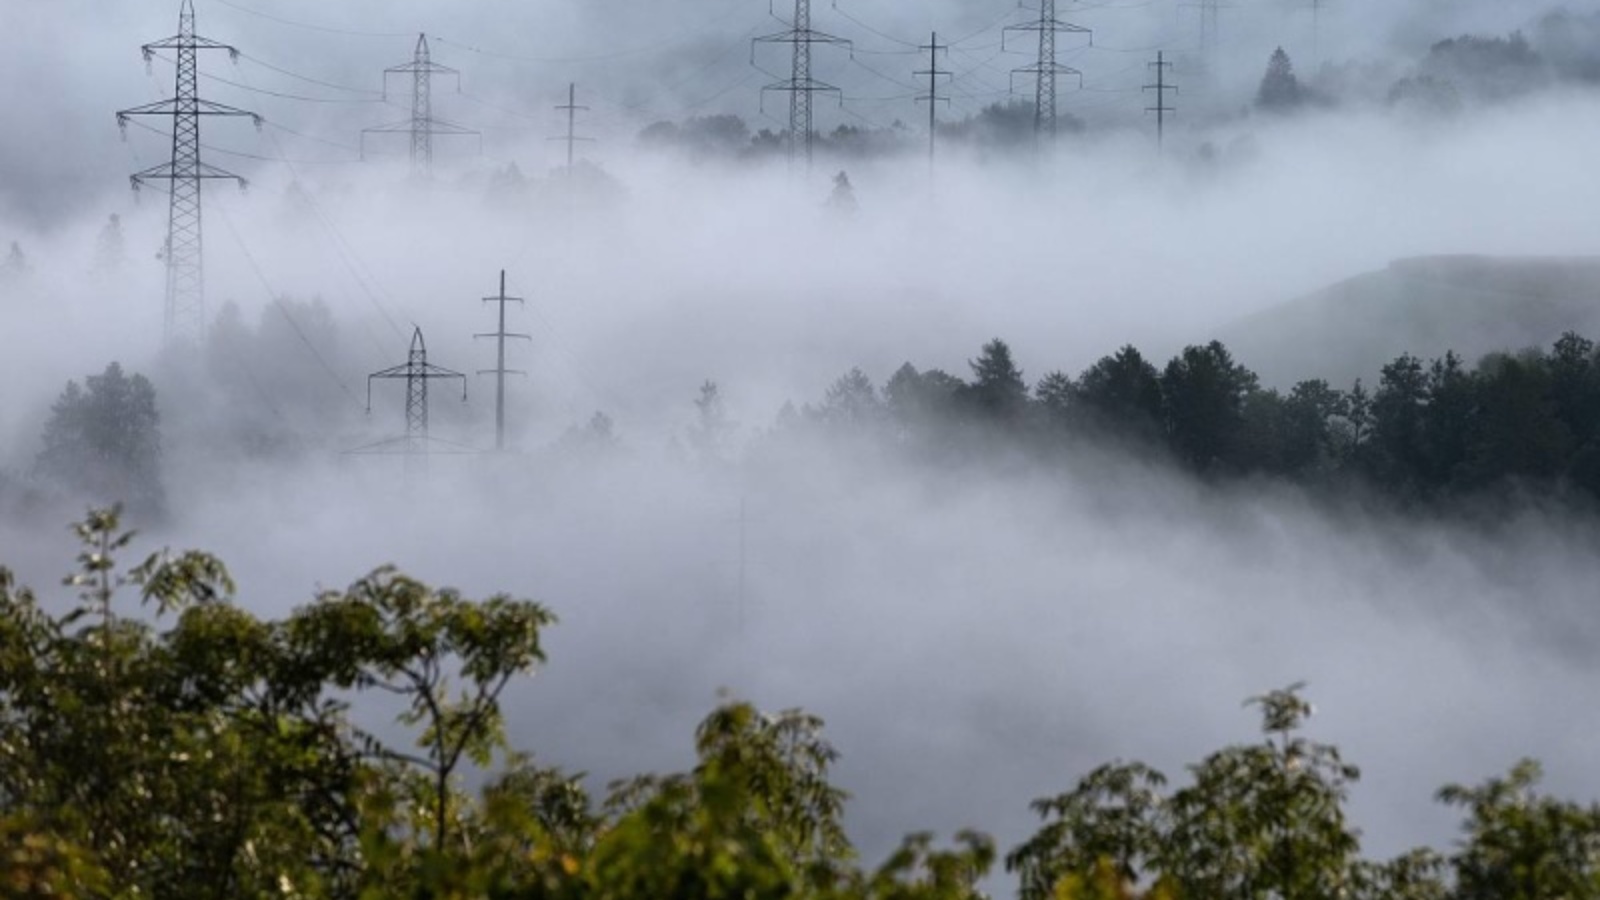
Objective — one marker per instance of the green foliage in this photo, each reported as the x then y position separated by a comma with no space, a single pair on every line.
1258,821
1521,845
188,749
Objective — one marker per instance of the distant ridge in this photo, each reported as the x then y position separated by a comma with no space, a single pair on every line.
1424,306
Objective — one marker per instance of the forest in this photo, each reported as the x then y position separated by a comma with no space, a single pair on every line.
160,740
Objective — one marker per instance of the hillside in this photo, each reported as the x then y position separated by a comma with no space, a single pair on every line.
1425,306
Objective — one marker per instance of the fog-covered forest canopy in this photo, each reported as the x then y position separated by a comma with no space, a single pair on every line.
1017,406
1426,431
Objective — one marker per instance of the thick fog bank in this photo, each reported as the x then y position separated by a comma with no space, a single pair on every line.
975,640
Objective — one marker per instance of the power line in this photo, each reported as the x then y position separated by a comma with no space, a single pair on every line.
239,153
987,28
277,302
689,37
309,27
911,46
255,90
309,80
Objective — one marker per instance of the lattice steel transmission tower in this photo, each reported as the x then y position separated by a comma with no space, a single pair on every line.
500,371
415,444
185,311
422,125
800,85
1045,69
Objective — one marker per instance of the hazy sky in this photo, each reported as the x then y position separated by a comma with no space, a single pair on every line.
77,62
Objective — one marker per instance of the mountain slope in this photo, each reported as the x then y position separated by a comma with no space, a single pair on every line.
1425,306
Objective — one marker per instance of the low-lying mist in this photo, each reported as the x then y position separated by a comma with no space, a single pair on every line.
975,636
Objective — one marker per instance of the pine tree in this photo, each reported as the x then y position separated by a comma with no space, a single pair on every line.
1280,89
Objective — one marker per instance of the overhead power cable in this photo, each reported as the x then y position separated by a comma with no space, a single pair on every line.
282,308
349,32
308,79
270,93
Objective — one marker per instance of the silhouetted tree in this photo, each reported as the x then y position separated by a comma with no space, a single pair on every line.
1396,456
16,266
1280,90
1203,394
103,442
1121,392
918,399
1517,431
842,200
708,435
1494,68
1448,420
851,403
1054,394
997,386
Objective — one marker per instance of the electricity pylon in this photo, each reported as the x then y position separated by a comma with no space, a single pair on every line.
800,85
934,73
422,125
185,310
500,371
1045,69
571,108
415,444
1161,109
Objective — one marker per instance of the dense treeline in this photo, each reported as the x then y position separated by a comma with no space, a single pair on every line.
190,749
1426,431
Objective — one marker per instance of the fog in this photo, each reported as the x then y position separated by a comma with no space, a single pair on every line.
974,638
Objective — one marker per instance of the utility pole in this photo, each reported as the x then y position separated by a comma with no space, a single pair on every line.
1045,69
500,371
800,85
571,108
185,309
1161,109
416,372
422,126
933,72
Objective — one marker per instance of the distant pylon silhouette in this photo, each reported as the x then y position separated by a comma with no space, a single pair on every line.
422,125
